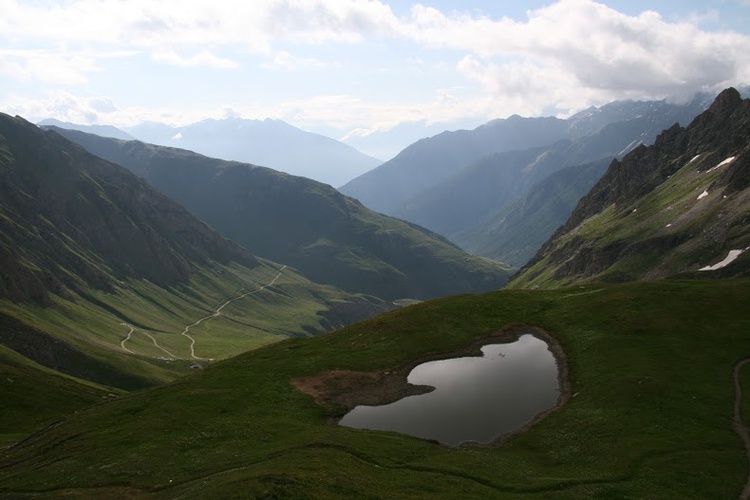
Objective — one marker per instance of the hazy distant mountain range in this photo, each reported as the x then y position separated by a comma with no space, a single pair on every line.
461,184
102,130
386,144
270,143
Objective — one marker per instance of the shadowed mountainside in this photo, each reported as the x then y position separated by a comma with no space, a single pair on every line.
330,237
396,186
92,257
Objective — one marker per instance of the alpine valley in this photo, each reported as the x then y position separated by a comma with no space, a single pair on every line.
163,312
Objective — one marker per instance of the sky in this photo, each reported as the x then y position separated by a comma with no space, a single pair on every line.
349,68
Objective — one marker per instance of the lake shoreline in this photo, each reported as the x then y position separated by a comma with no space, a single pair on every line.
340,391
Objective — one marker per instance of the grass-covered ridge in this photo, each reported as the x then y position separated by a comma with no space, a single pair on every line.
39,396
650,417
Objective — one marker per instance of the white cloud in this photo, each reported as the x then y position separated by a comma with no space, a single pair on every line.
597,45
285,60
66,106
203,58
565,56
49,67
590,46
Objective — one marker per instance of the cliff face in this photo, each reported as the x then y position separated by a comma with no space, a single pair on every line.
648,216
70,220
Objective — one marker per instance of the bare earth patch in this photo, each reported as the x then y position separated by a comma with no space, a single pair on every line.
340,391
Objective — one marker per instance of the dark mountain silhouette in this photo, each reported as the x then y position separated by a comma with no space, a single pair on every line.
73,220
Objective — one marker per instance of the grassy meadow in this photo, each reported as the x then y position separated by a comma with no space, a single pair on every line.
650,365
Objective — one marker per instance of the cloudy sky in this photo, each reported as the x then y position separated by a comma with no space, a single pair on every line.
349,67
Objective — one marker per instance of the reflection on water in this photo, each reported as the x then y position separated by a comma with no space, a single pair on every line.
475,398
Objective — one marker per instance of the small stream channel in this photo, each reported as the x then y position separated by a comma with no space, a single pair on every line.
475,398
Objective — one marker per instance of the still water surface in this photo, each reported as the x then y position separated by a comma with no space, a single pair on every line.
475,398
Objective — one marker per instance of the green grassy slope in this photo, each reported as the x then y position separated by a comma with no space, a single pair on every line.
34,395
650,416
156,351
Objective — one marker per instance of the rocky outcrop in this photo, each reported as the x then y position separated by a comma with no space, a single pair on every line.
722,134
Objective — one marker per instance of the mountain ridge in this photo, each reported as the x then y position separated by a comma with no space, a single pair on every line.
656,201
270,142
427,163
93,258
328,236
35,189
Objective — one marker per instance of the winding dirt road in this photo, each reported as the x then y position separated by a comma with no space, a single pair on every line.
184,333
216,313
738,424
172,356
130,334
122,344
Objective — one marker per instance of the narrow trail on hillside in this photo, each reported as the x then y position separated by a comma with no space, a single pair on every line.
217,312
738,424
130,334
122,344
157,344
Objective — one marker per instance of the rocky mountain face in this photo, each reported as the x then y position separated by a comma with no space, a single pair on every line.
400,184
72,220
331,238
272,143
678,208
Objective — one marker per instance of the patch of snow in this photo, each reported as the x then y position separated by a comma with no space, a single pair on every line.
733,254
703,194
725,162
694,158
630,147
668,225
635,210
177,136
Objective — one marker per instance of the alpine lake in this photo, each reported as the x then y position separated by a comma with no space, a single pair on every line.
476,399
